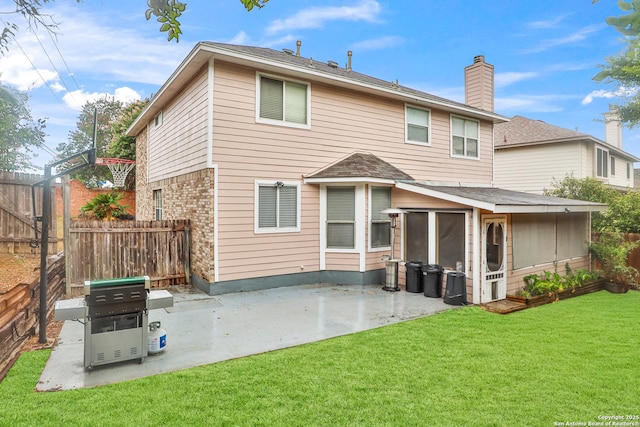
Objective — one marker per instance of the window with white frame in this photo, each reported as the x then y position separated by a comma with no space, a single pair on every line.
418,125
601,162
157,204
380,234
157,120
341,217
464,137
613,165
277,206
283,101
628,170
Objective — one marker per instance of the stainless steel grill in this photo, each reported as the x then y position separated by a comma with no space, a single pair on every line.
115,313
117,322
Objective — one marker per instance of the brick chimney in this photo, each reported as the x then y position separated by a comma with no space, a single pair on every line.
478,84
613,128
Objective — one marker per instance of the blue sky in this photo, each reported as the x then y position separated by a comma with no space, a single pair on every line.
545,52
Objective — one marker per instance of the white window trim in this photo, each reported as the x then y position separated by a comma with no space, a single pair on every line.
256,207
157,208
457,156
157,119
612,165
370,221
606,163
406,126
360,219
282,122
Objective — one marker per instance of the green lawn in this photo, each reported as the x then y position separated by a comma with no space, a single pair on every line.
571,361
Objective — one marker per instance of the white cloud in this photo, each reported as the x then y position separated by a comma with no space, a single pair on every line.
575,37
545,24
530,103
16,70
379,43
77,98
509,78
90,45
316,17
240,38
623,91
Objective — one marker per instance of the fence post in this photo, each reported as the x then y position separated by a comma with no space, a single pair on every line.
187,255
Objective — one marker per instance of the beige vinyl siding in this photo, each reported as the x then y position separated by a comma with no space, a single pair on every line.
534,168
620,177
342,122
343,261
179,145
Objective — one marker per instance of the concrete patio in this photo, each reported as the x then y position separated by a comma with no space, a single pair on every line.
204,329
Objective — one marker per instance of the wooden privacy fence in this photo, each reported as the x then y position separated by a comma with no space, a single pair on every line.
16,214
634,257
111,249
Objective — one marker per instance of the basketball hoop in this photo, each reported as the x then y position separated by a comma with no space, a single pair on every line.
119,168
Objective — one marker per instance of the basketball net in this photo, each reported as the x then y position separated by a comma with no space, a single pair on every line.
119,168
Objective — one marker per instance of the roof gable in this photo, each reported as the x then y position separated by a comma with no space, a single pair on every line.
360,165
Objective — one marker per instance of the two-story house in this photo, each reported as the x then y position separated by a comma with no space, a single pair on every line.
284,165
530,155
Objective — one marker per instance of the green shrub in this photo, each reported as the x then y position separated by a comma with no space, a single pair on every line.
612,250
549,283
104,207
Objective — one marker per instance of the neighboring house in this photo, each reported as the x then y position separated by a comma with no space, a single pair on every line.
284,164
530,155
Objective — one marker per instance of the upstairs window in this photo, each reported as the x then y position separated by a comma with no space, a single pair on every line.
283,102
613,165
628,170
157,120
601,163
418,125
380,223
464,137
277,207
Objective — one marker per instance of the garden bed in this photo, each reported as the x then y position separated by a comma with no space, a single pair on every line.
537,300
514,303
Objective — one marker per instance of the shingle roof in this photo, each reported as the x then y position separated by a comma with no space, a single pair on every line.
521,130
300,61
361,165
279,61
499,200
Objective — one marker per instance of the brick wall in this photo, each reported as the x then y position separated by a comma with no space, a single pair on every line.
188,196
80,195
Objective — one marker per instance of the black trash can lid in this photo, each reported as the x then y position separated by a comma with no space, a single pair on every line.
415,263
433,268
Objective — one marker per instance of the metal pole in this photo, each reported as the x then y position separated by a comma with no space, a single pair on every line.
66,199
44,251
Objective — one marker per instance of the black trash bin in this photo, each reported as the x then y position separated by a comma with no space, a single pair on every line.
414,276
456,290
432,276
